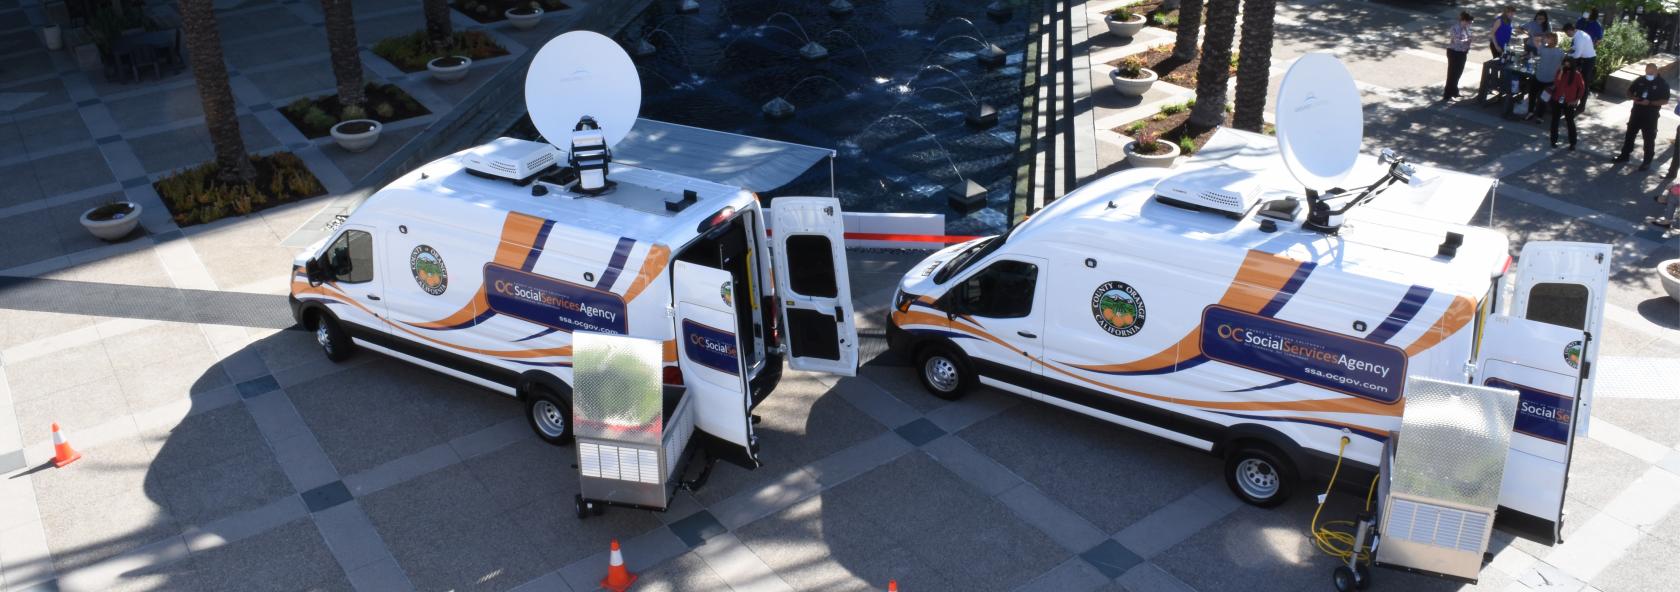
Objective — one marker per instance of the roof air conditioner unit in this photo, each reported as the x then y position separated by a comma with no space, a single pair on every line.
1223,190
516,160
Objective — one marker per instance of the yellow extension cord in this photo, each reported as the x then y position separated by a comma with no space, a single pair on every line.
1336,537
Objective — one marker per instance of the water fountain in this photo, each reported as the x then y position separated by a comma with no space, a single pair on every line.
991,56
873,73
980,115
839,8
965,196
811,50
688,7
999,10
780,107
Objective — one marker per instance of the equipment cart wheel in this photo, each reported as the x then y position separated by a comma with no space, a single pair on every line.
582,507
1344,579
944,371
1361,576
1258,474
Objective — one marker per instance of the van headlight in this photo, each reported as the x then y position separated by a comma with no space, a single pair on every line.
901,300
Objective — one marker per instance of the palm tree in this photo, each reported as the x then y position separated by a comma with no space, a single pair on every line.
438,28
1254,70
1189,27
204,46
1215,69
346,57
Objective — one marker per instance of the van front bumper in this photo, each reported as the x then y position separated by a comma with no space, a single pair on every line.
899,341
297,307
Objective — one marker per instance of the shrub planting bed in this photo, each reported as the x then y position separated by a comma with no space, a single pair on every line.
410,52
1173,70
490,11
1171,124
195,196
315,116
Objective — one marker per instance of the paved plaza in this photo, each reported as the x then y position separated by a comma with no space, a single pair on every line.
224,452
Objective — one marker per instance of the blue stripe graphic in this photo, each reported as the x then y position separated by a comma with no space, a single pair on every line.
536,335
1288,290
1403,313
536,246
615,266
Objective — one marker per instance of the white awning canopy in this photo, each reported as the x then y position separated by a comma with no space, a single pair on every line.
754,164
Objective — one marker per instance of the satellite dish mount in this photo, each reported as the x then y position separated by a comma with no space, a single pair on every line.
590,156
583,87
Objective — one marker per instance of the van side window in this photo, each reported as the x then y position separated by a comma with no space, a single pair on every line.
811,266
1564,305
350,259
1003,290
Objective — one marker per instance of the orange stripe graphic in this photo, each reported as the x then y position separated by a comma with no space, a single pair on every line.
337,296
1458,315
652,266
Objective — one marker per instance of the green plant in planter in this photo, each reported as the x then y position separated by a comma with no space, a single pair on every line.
111,210
1133,128
1122,14
1173,109
317,118
1165,21
1623,44
385,111
1187,145
1149,144
1131,67
352,112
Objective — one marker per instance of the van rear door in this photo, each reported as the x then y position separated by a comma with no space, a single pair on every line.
811,282
708,351
1544,349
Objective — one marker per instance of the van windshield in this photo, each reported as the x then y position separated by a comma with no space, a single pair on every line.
968,256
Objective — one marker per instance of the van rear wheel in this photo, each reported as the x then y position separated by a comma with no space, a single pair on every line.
550,415
1259,475
944,371
332,339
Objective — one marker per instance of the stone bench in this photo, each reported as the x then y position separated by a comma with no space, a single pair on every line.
1616,86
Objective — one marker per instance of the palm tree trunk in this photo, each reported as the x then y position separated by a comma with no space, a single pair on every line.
204,48
1189,28
346,57
438,28
1214,72
1254,70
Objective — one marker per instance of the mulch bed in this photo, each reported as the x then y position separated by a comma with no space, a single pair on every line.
195,196
1156,17
410,52
1174,128
1171,70
490,11
386,103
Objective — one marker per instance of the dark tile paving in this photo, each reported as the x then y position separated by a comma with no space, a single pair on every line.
1593,182
189,146
1108,474
156,107
71,171
1111,558
308,79
358,165
52,130
212,464
246,54
326,496
427,523
257,386
697,528
900,521
290,557
20,186
919,432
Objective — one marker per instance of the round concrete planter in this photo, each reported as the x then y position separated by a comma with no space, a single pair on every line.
1132,87
447,73
1670,282
53,36
1127,28
524,18
356,141
114,228
1162,160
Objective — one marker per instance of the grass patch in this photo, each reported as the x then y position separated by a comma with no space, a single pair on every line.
195,196
315,116
410,52
490,11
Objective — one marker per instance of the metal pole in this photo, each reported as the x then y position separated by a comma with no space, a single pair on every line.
831,191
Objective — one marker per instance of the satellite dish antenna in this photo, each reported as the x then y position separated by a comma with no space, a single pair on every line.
577,75
1320,125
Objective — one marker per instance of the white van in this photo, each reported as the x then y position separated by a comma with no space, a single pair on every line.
485,277
1210,306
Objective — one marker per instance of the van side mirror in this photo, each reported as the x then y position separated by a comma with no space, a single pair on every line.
312,270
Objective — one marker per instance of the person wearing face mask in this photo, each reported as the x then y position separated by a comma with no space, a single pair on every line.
1566,93
1586,56
1648,94
1548,61
1458,50
1537,30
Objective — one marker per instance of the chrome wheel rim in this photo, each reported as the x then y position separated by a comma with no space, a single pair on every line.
1257,478
941,373
323,336
549,419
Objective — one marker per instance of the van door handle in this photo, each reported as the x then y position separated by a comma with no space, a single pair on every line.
1027,335
373,296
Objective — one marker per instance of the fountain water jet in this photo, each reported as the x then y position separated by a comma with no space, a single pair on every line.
780,107
965,196
873,73
991,56
840,7
811,50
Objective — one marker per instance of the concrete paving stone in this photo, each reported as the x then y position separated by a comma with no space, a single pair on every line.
257,20
1073,575
312,78
457,92
162,565
255,52
155,342
209,492
919,432
157,106
685,573
22,186
1147,577
383,574
25,243
28,65
875,401
979,470
376,415
696,529
747,506
290,557
11,143
190,146
1651,418
1546,578
402,469
492,439
427,522
536,482
90,533
900,381
244,525
287,349
373,29
351,536
803,422
204,439
161,383
1108,474
1066,528
135,267
1172,523
1111,558
52,130
43,93
238,263
811,548
1619,191
327,496
77,408
356,165
1425,133
976,406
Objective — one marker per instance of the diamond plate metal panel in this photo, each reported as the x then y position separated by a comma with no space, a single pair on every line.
1454,439
616,388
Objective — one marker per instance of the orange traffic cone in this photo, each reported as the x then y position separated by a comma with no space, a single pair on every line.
618,578
892,585
63,454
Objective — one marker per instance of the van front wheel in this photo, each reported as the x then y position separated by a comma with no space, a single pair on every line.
550,416
944,371
330,336
1259,475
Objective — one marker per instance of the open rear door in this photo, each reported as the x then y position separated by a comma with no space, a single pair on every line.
811,282
708,351
1544,349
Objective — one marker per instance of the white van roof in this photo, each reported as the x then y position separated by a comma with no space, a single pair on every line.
635,209
1389,243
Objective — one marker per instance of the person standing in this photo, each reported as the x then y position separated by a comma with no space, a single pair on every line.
1674,163
1458,50
1590,24
1581,48
1500,36
1566,93
1537,30
1649,94
1549,59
